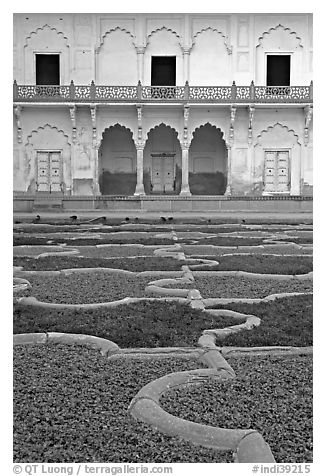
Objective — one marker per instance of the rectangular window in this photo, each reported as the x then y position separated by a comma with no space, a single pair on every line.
278,70
163,71
48,69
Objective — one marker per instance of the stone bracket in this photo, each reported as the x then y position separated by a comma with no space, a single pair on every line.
72,112
140,119
93,118
251,110
233,111
186,110
308,116
18,112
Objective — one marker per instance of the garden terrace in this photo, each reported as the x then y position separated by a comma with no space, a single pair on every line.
58,388
271,394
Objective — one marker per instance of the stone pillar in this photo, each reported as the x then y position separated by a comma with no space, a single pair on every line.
140,62
185,190
140,169
95,147
296,175
228,190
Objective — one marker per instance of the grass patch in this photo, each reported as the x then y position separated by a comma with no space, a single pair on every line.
70,405
143,324
270,394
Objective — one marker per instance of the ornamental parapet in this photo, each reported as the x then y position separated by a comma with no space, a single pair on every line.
160,94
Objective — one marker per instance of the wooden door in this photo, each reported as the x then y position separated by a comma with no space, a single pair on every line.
168,174
276,171
49,171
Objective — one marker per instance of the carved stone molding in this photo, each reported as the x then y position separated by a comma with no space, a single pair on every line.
140,50
139,108
186,111
186,50
185,145
18,111
140,144
307,119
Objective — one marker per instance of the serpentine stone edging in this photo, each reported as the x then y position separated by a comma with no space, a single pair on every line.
106,346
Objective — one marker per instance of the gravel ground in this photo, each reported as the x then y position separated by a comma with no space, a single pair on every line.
270,394
232,287
130,264
83,288
70,405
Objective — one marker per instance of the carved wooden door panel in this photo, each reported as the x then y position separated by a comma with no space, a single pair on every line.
55,171
49,171
270,162
157,174
168,165
43,182
276,171
283,171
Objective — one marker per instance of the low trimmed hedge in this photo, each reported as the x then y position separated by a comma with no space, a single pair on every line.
71,405
270,394
143,324
262,264
130,264
20,240
286,321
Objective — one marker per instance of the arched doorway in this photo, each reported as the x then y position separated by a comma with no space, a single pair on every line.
207,162
117,162
162,161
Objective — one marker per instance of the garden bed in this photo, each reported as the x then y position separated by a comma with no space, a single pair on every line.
285,321
83,288
238,287
199,250
20,240
70,405
270,394
261,264
142,324
130,264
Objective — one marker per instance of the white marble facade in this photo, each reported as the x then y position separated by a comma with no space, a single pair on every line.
82,147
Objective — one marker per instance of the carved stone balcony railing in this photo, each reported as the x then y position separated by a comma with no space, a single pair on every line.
160,94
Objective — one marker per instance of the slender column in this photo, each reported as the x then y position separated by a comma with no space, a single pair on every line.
251,110
140,168
185,190
186,53
140,62
95,147
228,190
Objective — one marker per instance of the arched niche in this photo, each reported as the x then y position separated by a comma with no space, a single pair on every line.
162,161
46,40
209,62
207,161
116,59
47,139
163,42
279,40
117,162
277,138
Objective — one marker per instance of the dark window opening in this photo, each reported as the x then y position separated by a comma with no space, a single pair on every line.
278,70
163,71
47,70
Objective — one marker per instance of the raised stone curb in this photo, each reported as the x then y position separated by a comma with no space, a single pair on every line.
245,274
209,302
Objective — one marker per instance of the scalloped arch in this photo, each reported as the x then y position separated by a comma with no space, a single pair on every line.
111,30
210,28
161,28
269,128
42,128
212,125
153,128
35,32
120,125
274,28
